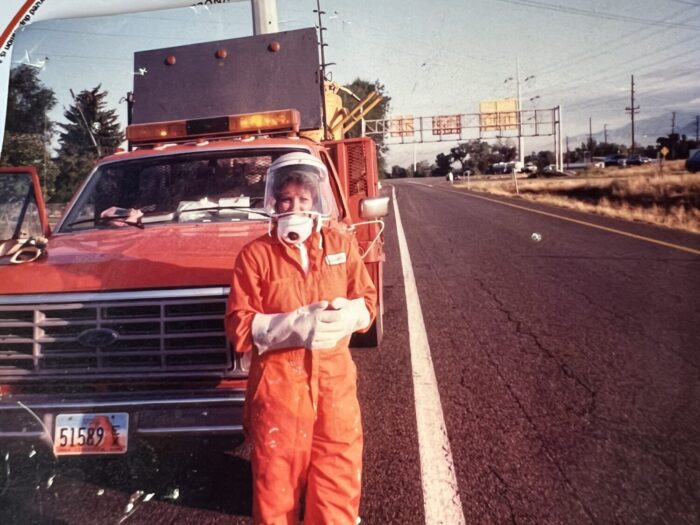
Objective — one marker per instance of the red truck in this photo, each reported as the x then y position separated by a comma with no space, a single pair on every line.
111,326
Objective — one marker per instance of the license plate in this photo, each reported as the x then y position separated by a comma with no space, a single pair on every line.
78,434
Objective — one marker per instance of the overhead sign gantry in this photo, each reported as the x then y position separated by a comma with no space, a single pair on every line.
496,120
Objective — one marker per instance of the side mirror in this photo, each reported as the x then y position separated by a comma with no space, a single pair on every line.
374,207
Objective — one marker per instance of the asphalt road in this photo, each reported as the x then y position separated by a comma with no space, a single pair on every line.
567,362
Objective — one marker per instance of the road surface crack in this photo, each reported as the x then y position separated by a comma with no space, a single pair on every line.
520,329
504,492
591,408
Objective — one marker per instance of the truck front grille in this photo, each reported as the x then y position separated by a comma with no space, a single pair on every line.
162,332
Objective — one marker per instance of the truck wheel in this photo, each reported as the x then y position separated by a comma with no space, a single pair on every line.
371,337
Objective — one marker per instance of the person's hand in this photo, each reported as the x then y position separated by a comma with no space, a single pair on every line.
314,326
287,330
306,324
122,214
341,319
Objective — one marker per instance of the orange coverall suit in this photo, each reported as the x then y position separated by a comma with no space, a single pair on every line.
301,415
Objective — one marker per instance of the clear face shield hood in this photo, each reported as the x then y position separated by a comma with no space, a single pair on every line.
297,196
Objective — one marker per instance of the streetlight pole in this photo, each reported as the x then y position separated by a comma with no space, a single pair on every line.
534,109
521,145
521,154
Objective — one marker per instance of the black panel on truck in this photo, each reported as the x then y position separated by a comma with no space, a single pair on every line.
230,77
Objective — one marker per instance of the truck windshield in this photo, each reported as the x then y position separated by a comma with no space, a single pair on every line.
203,187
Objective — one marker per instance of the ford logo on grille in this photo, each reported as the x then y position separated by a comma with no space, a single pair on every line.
97,337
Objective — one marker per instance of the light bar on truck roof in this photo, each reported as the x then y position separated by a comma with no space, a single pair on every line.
281,121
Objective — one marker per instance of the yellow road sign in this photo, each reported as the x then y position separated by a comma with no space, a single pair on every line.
497,115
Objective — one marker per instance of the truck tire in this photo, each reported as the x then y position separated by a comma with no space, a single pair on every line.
372,337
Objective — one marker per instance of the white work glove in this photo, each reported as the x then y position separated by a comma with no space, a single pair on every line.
344,317
286,330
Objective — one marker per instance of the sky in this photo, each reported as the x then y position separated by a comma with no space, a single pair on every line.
436,57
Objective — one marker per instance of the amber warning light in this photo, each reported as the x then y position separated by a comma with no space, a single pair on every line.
286,120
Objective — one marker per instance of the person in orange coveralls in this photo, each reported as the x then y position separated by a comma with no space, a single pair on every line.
297,295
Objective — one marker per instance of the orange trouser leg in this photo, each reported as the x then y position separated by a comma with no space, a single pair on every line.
281,430
334,477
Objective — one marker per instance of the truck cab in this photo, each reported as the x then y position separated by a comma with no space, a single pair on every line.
111,332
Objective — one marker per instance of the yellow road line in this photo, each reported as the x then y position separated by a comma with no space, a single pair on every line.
584,223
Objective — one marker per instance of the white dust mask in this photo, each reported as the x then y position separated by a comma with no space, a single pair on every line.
294,228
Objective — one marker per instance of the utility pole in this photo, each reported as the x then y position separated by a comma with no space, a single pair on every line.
415,164
521,153
673,122
605,133
568,153
519,109
590,135
264,16
632,109
78,104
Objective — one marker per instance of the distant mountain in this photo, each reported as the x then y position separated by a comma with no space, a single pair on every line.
646,131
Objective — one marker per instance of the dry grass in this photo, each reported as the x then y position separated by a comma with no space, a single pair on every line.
669,197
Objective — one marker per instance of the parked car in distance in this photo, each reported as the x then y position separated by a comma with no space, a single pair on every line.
614,159
530,167
550,170
692,164
637,159
499,168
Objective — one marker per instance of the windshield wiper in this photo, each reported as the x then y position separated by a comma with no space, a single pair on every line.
259,211
111,218
174,216
159,216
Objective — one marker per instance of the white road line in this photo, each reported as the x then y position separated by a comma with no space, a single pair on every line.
440,497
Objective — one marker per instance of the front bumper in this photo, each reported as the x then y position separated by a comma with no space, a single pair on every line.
28,420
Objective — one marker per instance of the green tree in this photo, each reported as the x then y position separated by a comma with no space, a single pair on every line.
28,129
361,88
460,153
443,164
544,159
476,155
91,131
502,152
605,148
28,102
422,169
31,149
397,172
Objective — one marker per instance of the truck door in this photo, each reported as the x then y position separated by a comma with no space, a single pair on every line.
24,225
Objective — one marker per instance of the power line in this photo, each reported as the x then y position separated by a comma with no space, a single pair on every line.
585,80
626,63
694,4
84,57
115,35
575,60
599,14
